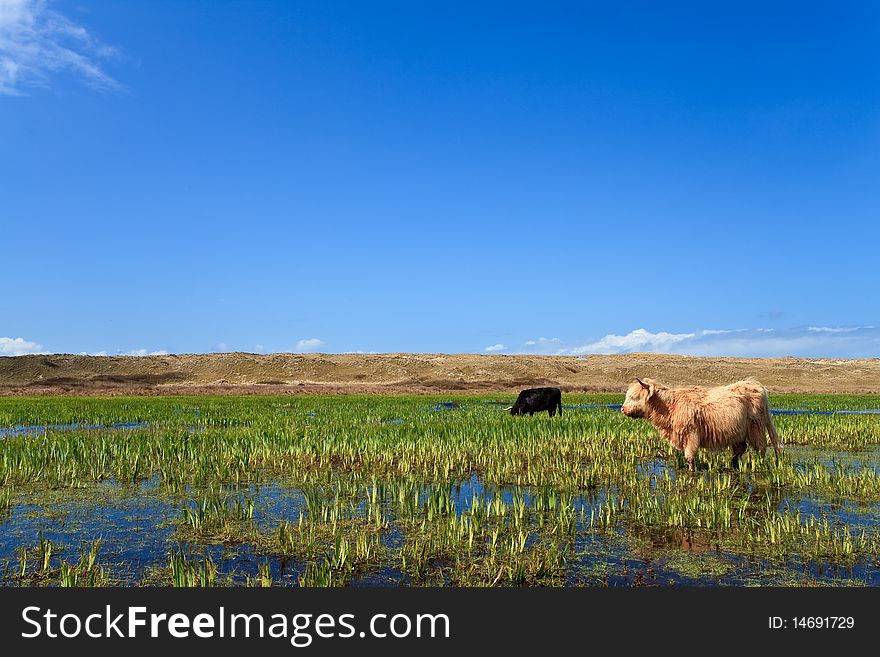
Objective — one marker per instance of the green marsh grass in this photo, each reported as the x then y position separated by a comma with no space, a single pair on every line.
386,489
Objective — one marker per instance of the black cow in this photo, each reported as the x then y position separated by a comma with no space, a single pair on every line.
535,400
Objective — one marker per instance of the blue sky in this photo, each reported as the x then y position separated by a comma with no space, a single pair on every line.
439,177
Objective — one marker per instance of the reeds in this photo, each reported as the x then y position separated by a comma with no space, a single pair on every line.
191,572
472,497
43,565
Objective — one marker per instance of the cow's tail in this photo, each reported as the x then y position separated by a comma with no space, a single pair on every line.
771,428
560,406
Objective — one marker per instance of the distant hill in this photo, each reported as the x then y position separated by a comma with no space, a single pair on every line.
242,373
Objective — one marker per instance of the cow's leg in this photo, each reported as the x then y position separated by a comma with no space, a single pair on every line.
691,445
551,411
757,437
771,430
738,450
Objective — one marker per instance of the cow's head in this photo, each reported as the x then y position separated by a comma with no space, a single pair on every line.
638,395
516,409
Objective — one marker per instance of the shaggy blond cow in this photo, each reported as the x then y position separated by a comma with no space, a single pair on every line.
735,416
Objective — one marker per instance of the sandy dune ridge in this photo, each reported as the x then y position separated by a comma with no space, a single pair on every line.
242,373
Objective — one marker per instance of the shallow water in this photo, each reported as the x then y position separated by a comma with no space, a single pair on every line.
137,523
444,406
136,527
804,455
613,407
39,430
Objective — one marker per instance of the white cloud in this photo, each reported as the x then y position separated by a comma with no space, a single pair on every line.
308,345
725,331
37,42
543,342
144,352
496,347
19,346
810,342
259,347
133,352
836,329
638,340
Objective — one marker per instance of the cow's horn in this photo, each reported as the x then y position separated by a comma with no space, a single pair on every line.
644,385
509,408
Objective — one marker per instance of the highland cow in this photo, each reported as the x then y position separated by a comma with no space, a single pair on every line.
735,416
535,400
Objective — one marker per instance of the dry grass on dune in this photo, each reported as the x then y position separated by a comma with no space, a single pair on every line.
239,373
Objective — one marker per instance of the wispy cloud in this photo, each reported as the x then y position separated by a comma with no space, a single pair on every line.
133,352
837,329
144,352
19,347
808,342
496,347
37,42
309,345
543,342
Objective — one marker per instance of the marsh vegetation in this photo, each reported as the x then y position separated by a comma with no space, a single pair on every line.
348,490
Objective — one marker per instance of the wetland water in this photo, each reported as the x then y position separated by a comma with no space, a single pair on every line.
39,430
388,491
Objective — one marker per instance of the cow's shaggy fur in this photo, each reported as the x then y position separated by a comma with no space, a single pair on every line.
735,416
535,400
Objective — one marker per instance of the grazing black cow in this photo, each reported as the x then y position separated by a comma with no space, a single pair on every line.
535,400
